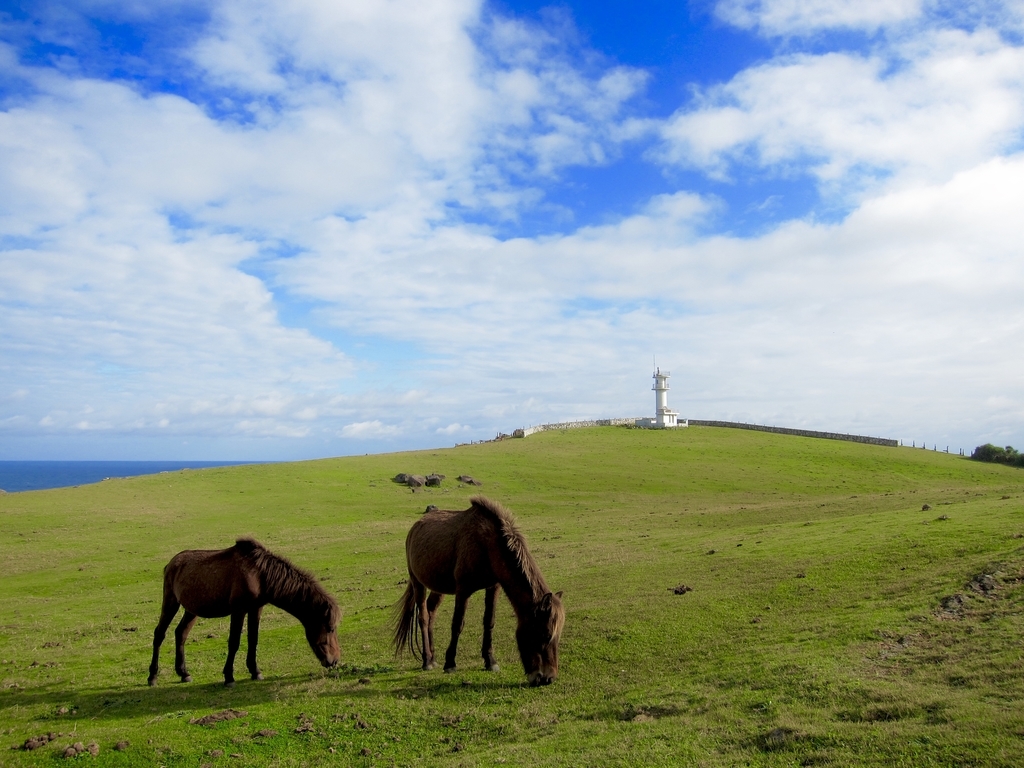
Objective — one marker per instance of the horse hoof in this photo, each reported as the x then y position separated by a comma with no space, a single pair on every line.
428,667
258,676
449,670
186,679
492,668
152,681
229,683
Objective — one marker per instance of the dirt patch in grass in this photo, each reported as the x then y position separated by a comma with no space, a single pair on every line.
880,713
778,738
964,643
217,717
647,713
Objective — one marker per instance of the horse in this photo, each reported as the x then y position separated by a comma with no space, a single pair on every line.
236,582
461,552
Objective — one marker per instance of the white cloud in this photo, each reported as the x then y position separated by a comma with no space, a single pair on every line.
794,17
939,104
369,430
452,429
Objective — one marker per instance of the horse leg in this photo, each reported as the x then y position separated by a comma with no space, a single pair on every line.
234,640
458,618
490,603
180,636
433,600
254,636
167,611
420,595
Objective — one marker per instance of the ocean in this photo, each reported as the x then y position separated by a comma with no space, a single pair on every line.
40,475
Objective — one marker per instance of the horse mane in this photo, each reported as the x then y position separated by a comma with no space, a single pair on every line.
515,542
282,577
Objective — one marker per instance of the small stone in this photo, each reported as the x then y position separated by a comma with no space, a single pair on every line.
925,507
121,746
365,752
93,749
70,752
457,747
216,753
79,746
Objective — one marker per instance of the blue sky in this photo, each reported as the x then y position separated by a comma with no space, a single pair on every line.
281,230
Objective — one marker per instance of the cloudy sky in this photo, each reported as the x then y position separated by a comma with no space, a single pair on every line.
279,229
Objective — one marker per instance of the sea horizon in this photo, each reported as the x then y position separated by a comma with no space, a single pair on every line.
41,475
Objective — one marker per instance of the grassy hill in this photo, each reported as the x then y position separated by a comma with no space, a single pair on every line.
817,632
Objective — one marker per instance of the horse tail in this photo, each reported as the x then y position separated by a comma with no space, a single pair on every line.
407,611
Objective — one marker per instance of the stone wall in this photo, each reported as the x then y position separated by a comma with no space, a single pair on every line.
702,423
798,432
578,425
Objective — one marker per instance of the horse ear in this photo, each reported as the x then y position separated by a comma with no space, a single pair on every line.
545,602
558,594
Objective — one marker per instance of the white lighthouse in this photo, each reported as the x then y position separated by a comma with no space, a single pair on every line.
664,417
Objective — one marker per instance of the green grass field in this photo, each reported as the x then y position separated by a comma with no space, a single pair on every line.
815,632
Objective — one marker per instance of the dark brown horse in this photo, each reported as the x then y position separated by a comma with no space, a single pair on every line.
237,582
459,553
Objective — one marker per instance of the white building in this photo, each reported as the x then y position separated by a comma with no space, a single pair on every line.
664,417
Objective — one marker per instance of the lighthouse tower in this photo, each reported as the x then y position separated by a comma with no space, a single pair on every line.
664,416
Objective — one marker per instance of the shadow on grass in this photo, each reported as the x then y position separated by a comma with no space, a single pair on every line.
59,704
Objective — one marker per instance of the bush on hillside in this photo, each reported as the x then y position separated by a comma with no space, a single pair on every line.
1008,455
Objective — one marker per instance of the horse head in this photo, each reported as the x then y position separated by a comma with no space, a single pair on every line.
537,635
321,626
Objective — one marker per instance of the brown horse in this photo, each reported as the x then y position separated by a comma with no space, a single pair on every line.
236,582
459,553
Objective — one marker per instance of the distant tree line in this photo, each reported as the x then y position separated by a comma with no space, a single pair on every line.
1008,455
